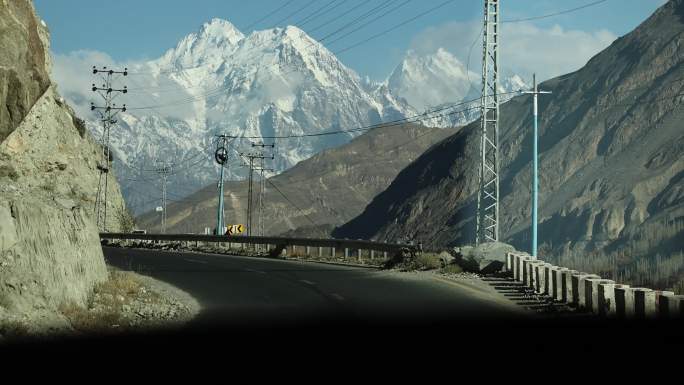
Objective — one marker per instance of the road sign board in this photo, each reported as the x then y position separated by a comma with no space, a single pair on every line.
235,229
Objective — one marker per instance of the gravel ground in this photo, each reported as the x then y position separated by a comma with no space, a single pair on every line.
127,302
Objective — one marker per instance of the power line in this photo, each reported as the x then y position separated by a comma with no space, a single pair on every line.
369,22
338,17
295,12
395,27
268,15
318,13
555,14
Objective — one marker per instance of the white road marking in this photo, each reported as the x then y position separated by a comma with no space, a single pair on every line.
337,296
255,271
196,261
307,282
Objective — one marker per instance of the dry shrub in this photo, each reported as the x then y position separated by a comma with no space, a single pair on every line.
426,261
452,269
84,320
119,283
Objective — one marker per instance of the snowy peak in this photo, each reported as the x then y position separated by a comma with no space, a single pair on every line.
219,30
429,80
213,43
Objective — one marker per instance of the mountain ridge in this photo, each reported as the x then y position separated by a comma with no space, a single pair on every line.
271,82
611,165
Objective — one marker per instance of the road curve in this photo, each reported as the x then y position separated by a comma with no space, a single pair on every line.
235,290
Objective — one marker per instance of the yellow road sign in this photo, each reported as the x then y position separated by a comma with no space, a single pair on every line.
235,229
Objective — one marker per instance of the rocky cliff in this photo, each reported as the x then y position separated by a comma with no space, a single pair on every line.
49,246
611,164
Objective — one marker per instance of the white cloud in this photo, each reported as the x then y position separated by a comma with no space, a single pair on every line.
525,48
73,74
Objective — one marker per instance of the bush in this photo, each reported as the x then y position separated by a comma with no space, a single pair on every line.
80,125
425,261
126,219
452,269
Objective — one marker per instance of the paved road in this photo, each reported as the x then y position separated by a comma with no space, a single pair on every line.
249,291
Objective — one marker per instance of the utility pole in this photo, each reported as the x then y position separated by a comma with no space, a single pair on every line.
488,195
107,113
221,157
163,170
262,187
252,156
535,157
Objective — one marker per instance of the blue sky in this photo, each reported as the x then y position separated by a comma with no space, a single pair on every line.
143,29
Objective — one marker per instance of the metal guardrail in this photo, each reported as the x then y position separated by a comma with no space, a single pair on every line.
279,241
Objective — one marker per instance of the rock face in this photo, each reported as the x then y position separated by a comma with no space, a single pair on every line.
611,164
23,63
331,187
49,246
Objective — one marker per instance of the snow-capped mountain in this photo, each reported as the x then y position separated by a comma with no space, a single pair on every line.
436,81
274,82
430,80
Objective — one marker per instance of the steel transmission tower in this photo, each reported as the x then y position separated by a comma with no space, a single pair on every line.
250,187
107,113
488,196
163,170
262,188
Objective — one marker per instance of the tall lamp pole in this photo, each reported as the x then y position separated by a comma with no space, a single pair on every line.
535,171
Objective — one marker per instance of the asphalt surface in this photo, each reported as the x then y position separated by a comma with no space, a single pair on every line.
261,291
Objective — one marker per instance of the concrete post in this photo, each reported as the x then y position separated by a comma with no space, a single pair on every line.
548,279
645,303
346,253
526,274
293,250
384,255
308,251
516,267
519,272
320,252
575,295
659,294
359,256
509,261
557,282
372,254
592,293
536,275
670,305
567,285
332,252
635,302
607,304
580,287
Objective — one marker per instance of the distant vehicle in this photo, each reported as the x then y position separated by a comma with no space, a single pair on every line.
139,232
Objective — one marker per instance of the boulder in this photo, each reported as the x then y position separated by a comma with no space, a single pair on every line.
486,258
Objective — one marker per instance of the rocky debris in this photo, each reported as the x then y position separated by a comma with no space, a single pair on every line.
445,258
486,258
126,302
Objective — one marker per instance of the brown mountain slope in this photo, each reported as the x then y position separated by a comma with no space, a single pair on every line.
611,165
330,188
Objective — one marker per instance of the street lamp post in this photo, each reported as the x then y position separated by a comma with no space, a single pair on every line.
535,156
